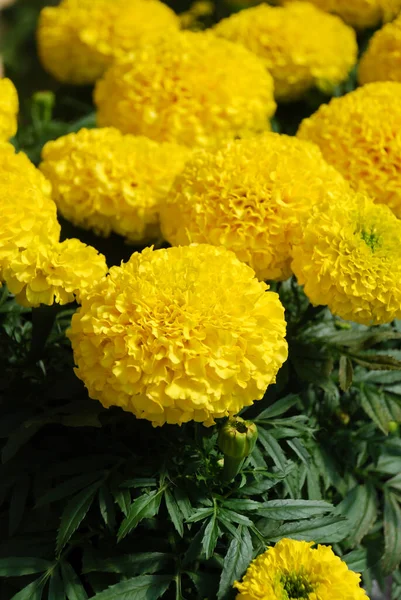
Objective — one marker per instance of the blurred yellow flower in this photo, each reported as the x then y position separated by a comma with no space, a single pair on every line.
294,570
300,45
382,59
8,109
78,39
179,334
59,273
250,196
106,181
360,13
190,88
360,135
350,260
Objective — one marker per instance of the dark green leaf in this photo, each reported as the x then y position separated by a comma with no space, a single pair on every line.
278,408
74,513
144,507
210,536
68,488
377,361
235,517
128,564
200,514
359,506
145,587
236,561
56,587
174,512
300,451
73,587
326,530
242,505
345,373
183,502
123,499
106,506
33,591
374,404
357,560
14,567
272,448
392,533
285,510
260,487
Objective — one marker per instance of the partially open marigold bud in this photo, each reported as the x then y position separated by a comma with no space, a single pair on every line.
237,439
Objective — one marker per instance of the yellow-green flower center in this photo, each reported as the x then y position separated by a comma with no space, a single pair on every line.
296,586
371,238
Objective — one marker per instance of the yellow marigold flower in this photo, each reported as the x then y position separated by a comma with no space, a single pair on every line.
61,273
360,13
179,334
300,45
8,109
190,88
350,260
382,59
293,570
78,39
251,197
28,214
107,181
359,134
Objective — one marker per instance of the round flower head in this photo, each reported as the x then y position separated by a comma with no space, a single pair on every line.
251,197
78,39
294,570
382,59
360,13
350,260
179,334
8,109
107,181
16,168
190,88
360,135
300,45
61,273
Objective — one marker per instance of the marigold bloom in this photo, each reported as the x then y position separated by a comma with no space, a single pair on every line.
293,570
107,181
300,45
8,109
359,134
190,88
360,13
350,260
78,39
179,334
61,273
250,196
382,59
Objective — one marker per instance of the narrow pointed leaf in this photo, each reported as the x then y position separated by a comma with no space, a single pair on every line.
73,587
144,507
15,566
174,512
236,561
145,587
74,513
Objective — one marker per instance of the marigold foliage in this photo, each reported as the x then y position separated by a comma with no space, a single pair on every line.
294,570
359,134
250,196
59,273
300,45
78,39
360,13
190,88
28,214
382,59
106,181
8,109
179,334
350,260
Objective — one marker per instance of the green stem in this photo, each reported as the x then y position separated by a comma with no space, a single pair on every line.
231,467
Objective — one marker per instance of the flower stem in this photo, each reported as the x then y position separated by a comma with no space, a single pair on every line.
231,467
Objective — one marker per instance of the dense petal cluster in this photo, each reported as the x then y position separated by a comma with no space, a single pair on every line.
360,13
190,88
61,273
300,45
106,181
250,196
382,59
78,39
8,109
179,334
294,570
360,135
28,214
350,260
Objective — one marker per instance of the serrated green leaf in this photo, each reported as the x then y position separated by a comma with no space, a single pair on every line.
235,517
392,533
374,404
272,448
123,499
345,373
326,530
74,513
313,483
200,514
33,591
395,482
300,451
357,560
195,547
175,514
56,587
205,583
144,507
68,488
262,486
377,362
241,505
128,564
210,536
15,566
183,502
359,507
285,510
236,561
278,408
73,587
145,587
106,507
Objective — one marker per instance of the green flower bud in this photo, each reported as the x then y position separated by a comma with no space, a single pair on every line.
393,427
237,438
